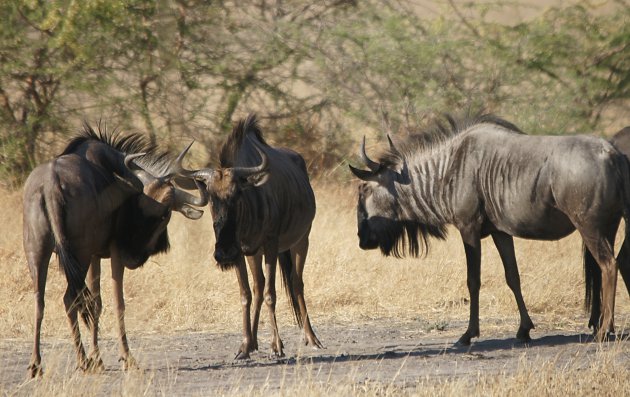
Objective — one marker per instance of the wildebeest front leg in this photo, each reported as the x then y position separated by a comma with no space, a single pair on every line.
298,257
95,308
118,270
472,246
246,301
505,246
271,260
258,278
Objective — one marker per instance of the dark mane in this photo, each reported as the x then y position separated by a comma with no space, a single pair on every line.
399,238
440,130
231,146
158,162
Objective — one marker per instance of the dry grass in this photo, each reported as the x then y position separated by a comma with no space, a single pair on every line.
185,291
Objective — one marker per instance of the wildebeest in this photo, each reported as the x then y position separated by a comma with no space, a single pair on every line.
262,203
101,198
485,177
621,141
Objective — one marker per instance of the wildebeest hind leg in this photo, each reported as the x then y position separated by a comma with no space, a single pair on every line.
602,251
38,252
298,258
93,311
623,260
472,246
593,276
74,300
505,246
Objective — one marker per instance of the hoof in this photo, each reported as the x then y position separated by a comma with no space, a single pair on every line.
35,371
276,355
245,349
464,340
523,335
314,342
129,363
462,343
604,336
277,349
95,365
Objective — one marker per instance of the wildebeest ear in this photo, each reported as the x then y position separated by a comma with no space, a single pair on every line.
185,182
255,179
131,186
189,212
364,175
402,177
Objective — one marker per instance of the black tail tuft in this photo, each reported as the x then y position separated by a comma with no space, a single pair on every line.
286,267
592,277
84,300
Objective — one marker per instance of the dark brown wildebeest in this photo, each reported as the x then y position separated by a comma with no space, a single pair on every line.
101,198
262,203
485,177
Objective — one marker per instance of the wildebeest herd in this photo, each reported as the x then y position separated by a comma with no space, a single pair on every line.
111,196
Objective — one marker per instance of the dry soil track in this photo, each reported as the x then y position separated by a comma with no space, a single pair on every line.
380,351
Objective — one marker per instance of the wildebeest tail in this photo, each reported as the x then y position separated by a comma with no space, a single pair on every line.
55,203
593,281
286,268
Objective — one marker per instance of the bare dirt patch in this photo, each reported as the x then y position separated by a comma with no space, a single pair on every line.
400,354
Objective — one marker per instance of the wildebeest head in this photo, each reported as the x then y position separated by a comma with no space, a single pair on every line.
225,187
151,211
379,219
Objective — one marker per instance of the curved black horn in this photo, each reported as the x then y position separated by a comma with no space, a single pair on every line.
392,148
246,171
181,196
184,197
176,168
145,176
130,157
372,165
203,174
364,175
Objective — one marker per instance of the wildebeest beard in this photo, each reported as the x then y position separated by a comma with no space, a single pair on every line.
399,238
134,231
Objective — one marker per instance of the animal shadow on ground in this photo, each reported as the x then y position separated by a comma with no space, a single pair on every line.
427,350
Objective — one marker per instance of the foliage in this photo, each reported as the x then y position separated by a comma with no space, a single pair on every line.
318,73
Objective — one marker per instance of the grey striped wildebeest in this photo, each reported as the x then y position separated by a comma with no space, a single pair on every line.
485,177
105,196
262,203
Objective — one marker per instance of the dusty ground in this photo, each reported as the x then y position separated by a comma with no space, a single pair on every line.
380,351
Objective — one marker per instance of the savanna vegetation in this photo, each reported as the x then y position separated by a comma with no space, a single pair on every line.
320,74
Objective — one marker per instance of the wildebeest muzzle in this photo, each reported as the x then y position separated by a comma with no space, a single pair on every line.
367,239
226,256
